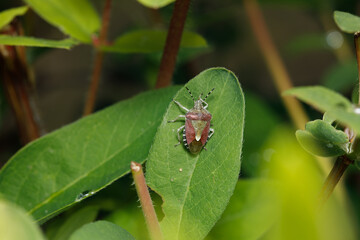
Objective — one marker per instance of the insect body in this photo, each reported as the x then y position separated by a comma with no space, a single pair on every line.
196,130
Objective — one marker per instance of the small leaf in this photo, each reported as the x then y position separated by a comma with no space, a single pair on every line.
347,22
316,146
155,3
15,224
196,188
76,161
8,15
36,42
349,119
101,230
326,132
147,41
76,18
251,211
320,97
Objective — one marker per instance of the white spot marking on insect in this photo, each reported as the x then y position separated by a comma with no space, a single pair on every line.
180,169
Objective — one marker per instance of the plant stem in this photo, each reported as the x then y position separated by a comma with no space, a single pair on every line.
172,44
99,56
277,68
146,203
333,178
357,47
274,62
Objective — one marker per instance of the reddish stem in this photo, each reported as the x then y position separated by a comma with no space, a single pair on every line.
172,44
151,220
99,56
341,164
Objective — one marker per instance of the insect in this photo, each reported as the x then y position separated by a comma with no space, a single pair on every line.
196,131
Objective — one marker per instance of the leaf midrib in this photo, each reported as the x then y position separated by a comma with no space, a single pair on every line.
52,196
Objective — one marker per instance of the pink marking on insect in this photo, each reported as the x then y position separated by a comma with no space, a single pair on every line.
196,131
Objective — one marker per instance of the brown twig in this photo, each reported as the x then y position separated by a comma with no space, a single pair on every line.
333,178
151,220
172,44
99,56
17,81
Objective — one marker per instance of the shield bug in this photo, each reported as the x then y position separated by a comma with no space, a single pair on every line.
196,131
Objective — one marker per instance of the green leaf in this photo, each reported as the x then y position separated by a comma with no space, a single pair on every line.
73,163
8,15
76,220
318,147
101,230
347,22
322,139
196,188
326,132
147,41
155,3
36,42
76,18
350,119
15,224
250,213
320,97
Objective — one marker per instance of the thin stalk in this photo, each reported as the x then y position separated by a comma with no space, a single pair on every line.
274,62
277,68
99,56
356,41
151,220
172,44
333,178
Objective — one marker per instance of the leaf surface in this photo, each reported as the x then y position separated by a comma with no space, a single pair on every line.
319,97
36,42
196,188
8,15
15,224
155,3
76,18
347,22
76,161
101,230
147,41
251,211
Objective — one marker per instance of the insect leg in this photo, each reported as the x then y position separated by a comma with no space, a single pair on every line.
178,132
177,118
206,104
181,106
211,132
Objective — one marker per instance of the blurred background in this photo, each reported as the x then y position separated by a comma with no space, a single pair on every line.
313,49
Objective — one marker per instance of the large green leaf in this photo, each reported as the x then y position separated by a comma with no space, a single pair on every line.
347,22
147,41
155,3
76,18
78,160
8,15
320,97
101,230
196,188
15,224
36,42
251,211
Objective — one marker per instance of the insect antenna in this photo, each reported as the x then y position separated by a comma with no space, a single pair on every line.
209,93
190,94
